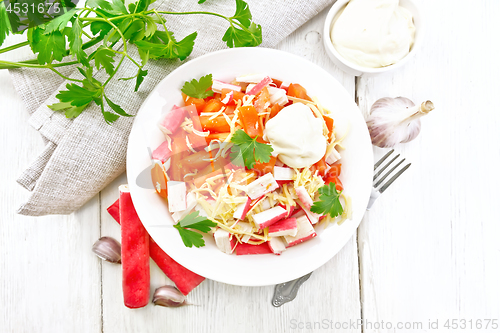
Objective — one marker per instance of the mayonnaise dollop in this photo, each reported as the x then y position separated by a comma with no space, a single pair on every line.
297,136
373,33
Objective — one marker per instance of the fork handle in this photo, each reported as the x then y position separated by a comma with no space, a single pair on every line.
373,197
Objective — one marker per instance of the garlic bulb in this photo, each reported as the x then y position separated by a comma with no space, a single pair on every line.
108,249
169,296
395,120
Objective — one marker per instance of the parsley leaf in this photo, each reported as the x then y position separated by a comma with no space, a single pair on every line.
4,23
76,95
75,43
249,149
69,110
248,33
51,46
105,57
115,107
329,201
119,6
201,1
163,45
140,77
193,221
200,88
60,22
242,14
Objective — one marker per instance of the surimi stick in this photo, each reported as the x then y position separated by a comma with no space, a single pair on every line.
135,254
184,279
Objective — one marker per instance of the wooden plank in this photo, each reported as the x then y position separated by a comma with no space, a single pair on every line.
331,294
428,248
50,280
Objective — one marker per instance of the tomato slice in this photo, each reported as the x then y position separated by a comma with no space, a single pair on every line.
159,180
320,166
179,144
217,124
334,170
213,105
262,168
274,110
263,98
329,124
296,90
336,180
277,82
217,136
198,160
250,121
197,102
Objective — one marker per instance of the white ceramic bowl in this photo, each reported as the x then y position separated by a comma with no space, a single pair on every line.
251,270
354,69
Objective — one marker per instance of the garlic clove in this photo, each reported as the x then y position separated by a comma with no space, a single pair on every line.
169,296
108,249
395,120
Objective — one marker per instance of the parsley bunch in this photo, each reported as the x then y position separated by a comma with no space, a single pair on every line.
110,23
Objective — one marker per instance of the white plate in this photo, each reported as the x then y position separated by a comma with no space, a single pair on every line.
250,270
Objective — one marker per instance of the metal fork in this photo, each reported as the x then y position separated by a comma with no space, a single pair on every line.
286,292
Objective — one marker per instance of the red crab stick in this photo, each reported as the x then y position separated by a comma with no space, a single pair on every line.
184,279
135,254
259,86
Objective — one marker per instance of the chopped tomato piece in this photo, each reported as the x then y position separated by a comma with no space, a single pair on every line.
334,170
229,109
196,161
213,169
274,110
320,166
179,144
213,105
217,136
198,102
263,168
175,171
336,180
217,124
263,100
278,83
296,90
197,141
159,180
329,124
250,121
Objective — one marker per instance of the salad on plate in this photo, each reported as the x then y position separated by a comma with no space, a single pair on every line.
255,162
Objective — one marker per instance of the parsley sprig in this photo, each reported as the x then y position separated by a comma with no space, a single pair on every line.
200,88
247,151
329,201
111,22
193,221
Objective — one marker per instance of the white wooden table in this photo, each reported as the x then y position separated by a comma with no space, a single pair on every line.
428,251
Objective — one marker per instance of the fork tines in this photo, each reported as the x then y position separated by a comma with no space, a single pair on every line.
378,178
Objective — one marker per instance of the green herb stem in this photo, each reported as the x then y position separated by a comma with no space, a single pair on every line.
13,47
11,65
62,75
188,13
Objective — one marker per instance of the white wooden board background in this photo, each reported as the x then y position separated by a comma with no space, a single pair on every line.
429,249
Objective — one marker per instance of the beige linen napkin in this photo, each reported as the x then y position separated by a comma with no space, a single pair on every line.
83,155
